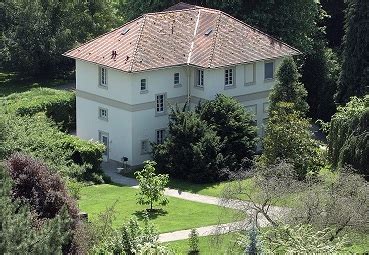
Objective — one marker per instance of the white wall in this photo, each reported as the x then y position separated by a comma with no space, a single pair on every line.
128,128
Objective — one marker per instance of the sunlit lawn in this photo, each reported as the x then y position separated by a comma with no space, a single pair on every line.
178,214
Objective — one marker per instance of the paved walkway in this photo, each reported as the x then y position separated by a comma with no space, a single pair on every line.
111,169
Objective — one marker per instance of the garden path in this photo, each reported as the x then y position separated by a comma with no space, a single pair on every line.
111,169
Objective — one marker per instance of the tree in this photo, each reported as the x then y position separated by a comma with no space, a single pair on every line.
22,233
301,239
191,151
151,186
348,140
35,185
288,88
193,242
235,128
354,78
288,138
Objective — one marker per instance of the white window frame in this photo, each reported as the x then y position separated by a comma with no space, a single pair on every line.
229,77
253,82
269,62
107,146
160,104
199,78
103,116
147,144
143,81
160,135
177,79
103,77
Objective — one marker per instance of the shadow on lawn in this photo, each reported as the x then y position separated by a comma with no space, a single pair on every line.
150,214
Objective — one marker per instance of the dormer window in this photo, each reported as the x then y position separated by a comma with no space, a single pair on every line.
103,77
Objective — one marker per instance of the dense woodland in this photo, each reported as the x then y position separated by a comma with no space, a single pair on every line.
324,184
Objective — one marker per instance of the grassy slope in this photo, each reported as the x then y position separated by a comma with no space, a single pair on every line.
178,214
11,83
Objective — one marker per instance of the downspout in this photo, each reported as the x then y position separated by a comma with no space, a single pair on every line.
188,87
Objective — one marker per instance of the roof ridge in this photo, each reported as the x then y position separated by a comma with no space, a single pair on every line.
193,38
95,38
215,39
137,43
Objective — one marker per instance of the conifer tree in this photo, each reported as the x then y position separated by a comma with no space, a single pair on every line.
288,88
354,78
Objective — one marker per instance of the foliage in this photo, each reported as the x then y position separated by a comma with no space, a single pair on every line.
151,186
288,88
320,73
20,233
288,137
301,239
191,151
134,237
253,245
207,145
35,185
68,155
354,78
35,34
193,242
235,128
340,203
349,135
58,105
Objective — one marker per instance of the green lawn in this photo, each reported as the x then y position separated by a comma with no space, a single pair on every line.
178,214
12,83
209,245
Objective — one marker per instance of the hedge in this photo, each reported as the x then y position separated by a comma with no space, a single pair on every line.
58,105
38,136
349,136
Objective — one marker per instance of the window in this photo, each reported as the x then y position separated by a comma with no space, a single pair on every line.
160,136
104,139
199,82
176,79
160,104
145,147
228,77
269,70
250,73
143,85
266,107
252,109
103,113
103,77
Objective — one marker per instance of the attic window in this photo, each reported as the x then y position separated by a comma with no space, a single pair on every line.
125,31
208,32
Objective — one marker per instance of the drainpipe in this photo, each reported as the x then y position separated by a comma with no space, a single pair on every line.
188,88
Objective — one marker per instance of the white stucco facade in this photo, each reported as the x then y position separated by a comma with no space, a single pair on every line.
131,113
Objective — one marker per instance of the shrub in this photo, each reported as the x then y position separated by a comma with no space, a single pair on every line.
348,140
288,138
34,184
38,136
58,105
191,151
193,242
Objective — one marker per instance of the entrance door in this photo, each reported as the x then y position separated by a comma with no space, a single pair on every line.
104,139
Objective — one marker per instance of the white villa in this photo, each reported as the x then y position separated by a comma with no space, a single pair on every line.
127,78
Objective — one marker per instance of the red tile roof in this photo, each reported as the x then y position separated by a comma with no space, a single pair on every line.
183,35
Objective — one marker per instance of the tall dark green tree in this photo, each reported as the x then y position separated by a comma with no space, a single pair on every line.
354,78
288,88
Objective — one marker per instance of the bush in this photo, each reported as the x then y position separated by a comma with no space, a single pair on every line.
38,136
35,185
193,242
288,138
348,140
58,105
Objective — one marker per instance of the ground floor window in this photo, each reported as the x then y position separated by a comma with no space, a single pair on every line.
160,136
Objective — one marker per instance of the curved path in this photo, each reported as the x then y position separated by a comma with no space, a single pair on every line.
110,169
